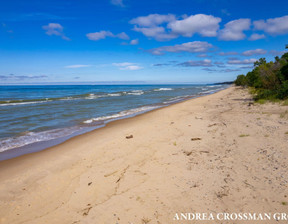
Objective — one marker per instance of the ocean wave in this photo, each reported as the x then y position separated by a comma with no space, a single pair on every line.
90,96
114,94
121,114
163,89
28,137
31,137
211,91
23,103
136,92
176,99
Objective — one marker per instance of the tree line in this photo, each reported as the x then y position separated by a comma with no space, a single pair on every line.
269,80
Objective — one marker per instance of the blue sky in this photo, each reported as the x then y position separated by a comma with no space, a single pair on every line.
152,41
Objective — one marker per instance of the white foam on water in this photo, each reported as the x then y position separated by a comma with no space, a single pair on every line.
213,90
136,92
88,121
114,94
209,91
24,103
91,96
32,137
175,99
163,89
121,114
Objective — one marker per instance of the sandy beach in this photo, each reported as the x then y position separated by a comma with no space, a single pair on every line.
219,153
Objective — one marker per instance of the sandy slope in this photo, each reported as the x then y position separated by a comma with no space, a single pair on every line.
239,165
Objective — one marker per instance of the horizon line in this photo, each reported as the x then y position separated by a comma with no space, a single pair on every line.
111,83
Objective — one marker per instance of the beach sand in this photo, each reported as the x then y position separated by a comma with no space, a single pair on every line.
213,154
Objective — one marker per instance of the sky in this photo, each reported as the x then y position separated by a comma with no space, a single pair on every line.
133,41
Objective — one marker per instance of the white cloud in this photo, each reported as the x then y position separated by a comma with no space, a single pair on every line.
149,26
243,62
77,66
157,32
205,25
118,3
55,29
127,66
203,63
233,30
103,34
256,36
254,52
99,35
134,42
131,68
152,20
192,47
274,26
123,36
167,27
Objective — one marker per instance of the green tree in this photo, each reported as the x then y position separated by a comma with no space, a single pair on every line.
277,59
270,80
241,80
261,61
268,75
285,56
283,91
284,71
253,78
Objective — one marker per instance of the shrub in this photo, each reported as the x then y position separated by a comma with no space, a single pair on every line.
269,80
241,80
283,91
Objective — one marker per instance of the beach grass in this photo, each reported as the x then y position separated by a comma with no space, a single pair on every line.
261,101
285,103
243,135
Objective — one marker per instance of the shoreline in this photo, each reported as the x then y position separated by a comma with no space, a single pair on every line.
43,145
214,153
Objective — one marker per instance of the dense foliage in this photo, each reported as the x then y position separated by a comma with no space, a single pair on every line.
269,79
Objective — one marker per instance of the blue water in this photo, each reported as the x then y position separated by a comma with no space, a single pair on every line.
30,114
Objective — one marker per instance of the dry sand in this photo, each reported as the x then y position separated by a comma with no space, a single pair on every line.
236,162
